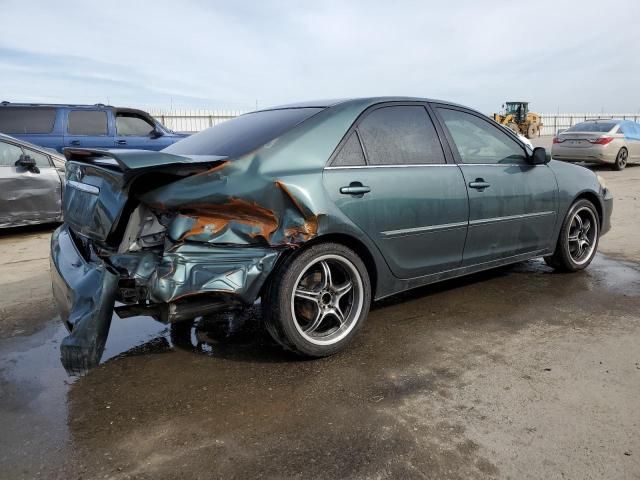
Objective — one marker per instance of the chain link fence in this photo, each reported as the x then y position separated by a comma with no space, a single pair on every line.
195,120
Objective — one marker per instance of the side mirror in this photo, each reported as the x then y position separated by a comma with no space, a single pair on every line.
26,162
155,133
540,156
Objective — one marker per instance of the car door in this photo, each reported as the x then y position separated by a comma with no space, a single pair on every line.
135,131
88,129
27,196
631,131
390,177
512,203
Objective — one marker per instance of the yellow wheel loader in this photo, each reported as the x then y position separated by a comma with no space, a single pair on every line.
517,117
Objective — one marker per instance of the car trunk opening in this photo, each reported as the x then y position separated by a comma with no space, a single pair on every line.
103,186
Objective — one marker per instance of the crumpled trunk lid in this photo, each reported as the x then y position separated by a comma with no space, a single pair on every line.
101,184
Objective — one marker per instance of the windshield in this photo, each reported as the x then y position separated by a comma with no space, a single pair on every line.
242,134
592,127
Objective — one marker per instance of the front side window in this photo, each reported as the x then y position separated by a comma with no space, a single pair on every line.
133,125
87,122
242,134
41,159
400,135
350,154
477,141
19,120
9,154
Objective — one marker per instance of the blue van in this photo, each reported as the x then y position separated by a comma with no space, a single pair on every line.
87,126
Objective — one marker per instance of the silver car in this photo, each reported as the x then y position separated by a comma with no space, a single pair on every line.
614,142
31,183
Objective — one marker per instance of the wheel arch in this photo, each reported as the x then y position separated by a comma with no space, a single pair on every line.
595,199
360,248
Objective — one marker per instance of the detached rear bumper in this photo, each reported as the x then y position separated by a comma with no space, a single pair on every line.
85,293
191,280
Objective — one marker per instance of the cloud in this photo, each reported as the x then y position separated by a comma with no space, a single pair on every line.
569,55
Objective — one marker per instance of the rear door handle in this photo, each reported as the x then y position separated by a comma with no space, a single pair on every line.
75,142
479,184
121,142
355,188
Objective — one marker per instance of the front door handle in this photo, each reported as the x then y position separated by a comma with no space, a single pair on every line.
355,188
121,142
75,142
479,184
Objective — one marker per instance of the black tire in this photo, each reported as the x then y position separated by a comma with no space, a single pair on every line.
279,302
565,257
621,159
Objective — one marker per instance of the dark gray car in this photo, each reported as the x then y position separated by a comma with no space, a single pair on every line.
31,183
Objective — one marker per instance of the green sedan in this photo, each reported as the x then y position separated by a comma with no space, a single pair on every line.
315,208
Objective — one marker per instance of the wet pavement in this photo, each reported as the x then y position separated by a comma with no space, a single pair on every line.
518,372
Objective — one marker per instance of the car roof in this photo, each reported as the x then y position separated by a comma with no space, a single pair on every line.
44,150
367,100
618,120
72,105
53,105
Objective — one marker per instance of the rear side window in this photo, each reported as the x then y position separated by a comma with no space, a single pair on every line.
402,135
9,154
20,120
350,154
478,141
87,122
242,134
630,129
132,125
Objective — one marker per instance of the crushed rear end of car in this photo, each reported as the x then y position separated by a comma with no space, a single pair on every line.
168,236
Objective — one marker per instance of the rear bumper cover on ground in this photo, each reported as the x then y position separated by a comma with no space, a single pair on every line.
183,281
85,294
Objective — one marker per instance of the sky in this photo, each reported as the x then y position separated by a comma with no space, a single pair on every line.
562,55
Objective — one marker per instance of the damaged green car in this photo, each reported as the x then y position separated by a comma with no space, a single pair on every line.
314,208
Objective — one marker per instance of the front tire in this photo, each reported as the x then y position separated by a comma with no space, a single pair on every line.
621,159
317,300
578,240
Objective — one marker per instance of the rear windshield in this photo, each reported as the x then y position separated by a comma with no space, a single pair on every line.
592,127
242,134
26,120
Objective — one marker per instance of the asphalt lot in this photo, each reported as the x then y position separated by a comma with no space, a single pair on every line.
514,373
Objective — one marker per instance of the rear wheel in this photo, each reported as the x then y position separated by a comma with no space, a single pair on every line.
317,300
621,159
578,239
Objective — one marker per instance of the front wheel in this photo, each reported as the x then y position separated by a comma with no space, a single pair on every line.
578,239
317,300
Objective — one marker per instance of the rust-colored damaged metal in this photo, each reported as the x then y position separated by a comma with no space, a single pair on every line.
213,219
211,209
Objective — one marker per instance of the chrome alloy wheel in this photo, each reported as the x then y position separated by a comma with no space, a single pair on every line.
582,235
327,300
621,161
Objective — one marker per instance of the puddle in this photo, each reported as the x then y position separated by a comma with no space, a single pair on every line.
34,386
